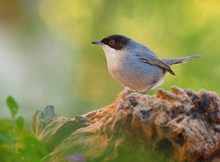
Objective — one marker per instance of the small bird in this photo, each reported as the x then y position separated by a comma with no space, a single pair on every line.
134,65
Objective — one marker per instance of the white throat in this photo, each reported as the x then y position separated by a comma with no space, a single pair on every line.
113,56
110,53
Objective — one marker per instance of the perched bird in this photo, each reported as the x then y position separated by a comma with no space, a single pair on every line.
134,65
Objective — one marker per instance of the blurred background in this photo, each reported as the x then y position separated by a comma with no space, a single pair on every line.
46,55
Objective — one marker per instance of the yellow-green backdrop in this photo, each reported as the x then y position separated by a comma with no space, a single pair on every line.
46,55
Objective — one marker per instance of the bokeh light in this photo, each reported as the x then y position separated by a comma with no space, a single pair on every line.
47,56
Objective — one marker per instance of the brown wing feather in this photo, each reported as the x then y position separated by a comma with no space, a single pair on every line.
159,63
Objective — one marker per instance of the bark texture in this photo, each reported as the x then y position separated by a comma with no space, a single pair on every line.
181,125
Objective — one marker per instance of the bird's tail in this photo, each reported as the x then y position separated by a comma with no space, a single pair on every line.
179,60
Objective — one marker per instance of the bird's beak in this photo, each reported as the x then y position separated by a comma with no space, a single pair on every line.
97,42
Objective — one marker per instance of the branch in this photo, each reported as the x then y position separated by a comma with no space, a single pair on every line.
178,125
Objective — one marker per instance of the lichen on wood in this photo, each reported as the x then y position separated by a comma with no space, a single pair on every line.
181,125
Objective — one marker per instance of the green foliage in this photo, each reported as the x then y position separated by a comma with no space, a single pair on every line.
12,105
20,122
17,145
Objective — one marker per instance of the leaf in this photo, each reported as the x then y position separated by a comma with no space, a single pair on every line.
4,138
12,105
20,122
38,145
16,138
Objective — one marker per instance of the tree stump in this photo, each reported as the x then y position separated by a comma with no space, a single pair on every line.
182,125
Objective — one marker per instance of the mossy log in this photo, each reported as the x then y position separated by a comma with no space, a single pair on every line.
182,125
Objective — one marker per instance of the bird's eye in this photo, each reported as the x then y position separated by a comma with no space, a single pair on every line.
111,42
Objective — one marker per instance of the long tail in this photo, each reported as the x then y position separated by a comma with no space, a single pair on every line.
179,60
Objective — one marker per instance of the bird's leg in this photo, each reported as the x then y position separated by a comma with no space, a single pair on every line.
152,86
128,90
144,92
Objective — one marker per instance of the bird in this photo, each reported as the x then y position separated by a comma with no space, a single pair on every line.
134,65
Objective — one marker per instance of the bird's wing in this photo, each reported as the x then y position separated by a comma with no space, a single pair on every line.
159,63
147,56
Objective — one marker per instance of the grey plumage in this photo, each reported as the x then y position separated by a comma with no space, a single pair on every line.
180,60
134,65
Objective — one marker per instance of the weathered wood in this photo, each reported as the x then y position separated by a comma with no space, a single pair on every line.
180,125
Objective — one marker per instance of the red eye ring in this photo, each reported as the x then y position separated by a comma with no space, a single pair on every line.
111,42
